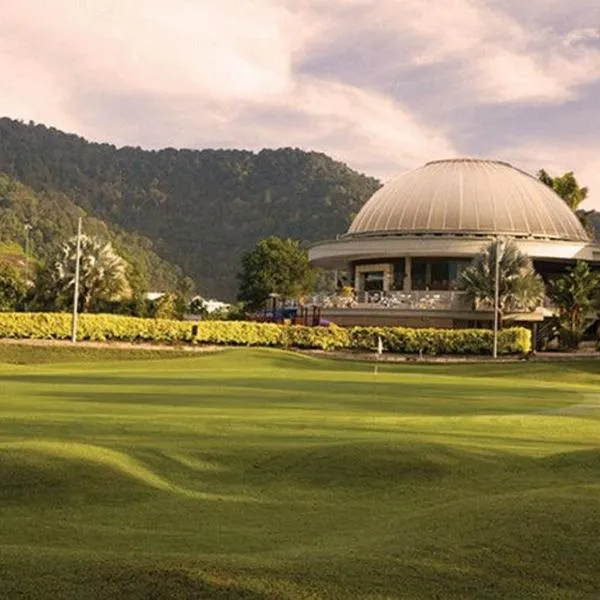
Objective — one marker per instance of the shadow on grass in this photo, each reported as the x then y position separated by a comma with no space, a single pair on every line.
81,577
376,466
296,403
415,396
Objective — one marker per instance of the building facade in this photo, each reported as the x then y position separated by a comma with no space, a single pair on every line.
405,250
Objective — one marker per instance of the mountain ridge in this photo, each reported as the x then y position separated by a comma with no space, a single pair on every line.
201,208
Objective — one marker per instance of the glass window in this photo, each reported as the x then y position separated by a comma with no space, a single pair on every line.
440,275
436,274
419,274
398,283
373,281
456,268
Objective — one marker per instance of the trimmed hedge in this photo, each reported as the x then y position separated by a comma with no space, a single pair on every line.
403,340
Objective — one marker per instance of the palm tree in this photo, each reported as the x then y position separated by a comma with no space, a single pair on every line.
576,294
102,273
520,288
568,188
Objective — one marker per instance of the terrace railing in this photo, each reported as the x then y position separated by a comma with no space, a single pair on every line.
415,300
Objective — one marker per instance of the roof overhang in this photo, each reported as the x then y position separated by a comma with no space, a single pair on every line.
338,254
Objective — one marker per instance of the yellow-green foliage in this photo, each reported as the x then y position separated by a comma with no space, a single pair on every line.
242,333
395,339
324,338
404,340
93,327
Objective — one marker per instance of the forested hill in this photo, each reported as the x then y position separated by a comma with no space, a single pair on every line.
53,219
594,218
202,208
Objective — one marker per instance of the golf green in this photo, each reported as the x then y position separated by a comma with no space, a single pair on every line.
262,474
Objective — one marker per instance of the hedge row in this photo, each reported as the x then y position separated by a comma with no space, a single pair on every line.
132,329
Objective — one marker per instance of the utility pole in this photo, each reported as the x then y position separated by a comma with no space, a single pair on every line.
496,296
76,286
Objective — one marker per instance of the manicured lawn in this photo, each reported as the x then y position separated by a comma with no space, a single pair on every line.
260,474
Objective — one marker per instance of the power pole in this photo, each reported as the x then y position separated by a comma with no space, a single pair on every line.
76,286
496,296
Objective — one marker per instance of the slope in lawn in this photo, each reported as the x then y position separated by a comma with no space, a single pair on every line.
264,474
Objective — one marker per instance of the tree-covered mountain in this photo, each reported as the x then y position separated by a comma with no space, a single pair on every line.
52,217
594,219
202,208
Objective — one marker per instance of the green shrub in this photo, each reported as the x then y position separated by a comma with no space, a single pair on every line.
323,338
404,340
99,327
516,340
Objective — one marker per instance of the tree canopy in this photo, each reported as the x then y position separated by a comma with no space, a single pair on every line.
576,294
274,266
52,219
568,188
13,287
202,208
102,274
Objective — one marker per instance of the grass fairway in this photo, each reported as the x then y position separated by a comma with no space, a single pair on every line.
257,474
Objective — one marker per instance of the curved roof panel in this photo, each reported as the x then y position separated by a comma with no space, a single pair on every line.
468,196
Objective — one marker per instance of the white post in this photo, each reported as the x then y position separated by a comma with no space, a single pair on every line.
76,286
496,297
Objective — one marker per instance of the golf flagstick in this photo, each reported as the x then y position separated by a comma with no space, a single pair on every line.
379,353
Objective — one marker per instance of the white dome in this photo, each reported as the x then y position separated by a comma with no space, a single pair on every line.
468,196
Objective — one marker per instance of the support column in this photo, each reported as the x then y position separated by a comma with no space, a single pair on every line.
407,283
388,275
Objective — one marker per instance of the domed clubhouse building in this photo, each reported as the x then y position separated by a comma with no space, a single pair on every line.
407,246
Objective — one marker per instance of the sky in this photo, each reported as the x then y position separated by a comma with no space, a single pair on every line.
383,85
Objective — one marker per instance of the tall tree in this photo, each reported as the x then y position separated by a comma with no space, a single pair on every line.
576,294
519,286
13,287
102,274
274,266
568,188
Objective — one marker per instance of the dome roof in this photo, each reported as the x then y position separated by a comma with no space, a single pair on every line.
468,196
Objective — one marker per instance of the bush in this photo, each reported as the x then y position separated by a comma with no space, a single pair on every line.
98,327
569,339
404,340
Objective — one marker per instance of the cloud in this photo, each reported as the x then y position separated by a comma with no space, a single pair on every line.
557,157
200,71
494,56
382,84
584,35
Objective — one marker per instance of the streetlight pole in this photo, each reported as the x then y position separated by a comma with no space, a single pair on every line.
76,286
496,296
